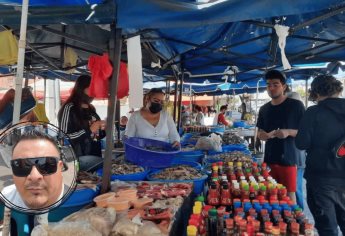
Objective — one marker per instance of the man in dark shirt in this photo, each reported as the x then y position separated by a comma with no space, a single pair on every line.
278,122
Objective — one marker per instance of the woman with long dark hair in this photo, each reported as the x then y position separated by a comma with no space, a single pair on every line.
79,120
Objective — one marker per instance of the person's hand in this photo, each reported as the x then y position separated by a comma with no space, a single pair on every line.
103,124
176,144
95,126
281,133
266,136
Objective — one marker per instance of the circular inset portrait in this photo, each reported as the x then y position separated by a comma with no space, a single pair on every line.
38,168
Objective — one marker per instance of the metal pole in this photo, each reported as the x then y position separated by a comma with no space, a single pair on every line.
180,102
20,64
115,45
306,93
118,117
256,114
175,97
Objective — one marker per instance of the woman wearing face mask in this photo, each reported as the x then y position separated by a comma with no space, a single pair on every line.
320,128
79,120
152,122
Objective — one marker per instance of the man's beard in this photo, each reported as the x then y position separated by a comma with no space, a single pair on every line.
275,97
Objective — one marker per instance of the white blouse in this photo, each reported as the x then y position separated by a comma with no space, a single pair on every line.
165,130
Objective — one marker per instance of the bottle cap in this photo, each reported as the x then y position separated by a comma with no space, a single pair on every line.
197,209
198,204
200,199
212,212
192,230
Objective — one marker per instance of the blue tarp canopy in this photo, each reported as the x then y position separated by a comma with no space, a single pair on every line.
50,3
220,41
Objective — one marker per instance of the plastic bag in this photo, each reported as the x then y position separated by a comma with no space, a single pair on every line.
100,219
150,229
125,227
211,142
81,228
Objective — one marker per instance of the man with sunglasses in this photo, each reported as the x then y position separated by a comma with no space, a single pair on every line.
278,122
37,172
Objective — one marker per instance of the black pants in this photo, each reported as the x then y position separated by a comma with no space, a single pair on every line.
327,204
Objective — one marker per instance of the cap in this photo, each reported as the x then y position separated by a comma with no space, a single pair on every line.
276,74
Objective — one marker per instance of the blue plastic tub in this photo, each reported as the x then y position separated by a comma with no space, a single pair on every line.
128,177
194,156
137,154
185,139
240,124
78,199
197,183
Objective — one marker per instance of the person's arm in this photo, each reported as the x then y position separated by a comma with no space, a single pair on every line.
67,125
262,134
173,134
131,128
305,132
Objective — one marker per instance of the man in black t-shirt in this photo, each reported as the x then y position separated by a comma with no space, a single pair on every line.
278,122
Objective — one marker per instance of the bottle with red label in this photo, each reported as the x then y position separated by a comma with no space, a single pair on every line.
236,191
225,197
245,192
252,194
262,191
282,193
294,229
213,195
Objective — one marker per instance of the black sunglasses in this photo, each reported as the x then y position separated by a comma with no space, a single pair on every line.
45,165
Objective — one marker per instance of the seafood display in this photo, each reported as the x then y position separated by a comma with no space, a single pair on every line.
179,172
155,149
188,148
84,177
163,191
232,138
125,168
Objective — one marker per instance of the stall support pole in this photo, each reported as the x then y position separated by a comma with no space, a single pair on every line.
115,57
306,93
175,97
20,63
180,102
256,115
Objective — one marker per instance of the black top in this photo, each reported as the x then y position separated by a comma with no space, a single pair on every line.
286,115
83,141
320,128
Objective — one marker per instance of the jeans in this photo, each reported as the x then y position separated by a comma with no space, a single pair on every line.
299,189
327,204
